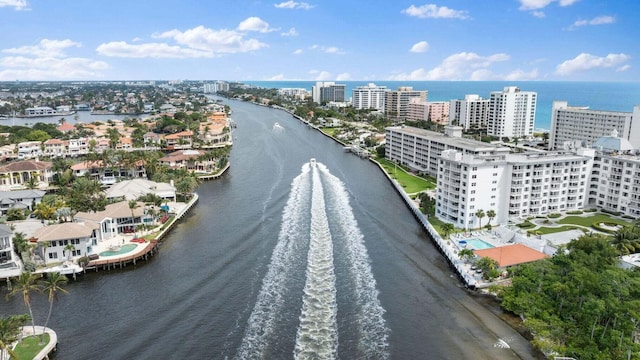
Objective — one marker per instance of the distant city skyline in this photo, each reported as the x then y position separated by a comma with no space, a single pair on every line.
511,40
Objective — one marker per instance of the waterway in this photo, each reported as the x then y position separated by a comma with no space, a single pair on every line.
282,259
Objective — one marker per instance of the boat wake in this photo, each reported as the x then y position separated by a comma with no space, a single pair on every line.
316,218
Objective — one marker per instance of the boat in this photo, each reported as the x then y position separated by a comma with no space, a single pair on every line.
312,162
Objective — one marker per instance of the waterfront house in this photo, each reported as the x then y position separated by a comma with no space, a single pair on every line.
55,148
29,149
16,175
6,245
191,160
133,189
66,241
511,255
181,140
20,199
65,127
98,170
115,219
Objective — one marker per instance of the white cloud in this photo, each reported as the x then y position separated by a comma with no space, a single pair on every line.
327,49
584,62
536,5
254,24
343,77
294,5
150,50
198,42
521,75
39,68
420,47
17,4
215,41
321,75
461,66
46,47
291,32
538,14
434,11
624,67
136,39
297,52
48,60
598,20
277,77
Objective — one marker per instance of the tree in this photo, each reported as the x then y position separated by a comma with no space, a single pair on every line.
447,229
52,285
10,332
186,185
27,284
480,214
132,206
19,242
69,248
491,214
489,268
466,254
86,195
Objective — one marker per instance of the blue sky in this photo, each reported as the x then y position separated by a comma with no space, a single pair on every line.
572,40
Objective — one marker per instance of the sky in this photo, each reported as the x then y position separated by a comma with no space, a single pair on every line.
320,40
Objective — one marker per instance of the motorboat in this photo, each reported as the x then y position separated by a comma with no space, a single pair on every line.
312,162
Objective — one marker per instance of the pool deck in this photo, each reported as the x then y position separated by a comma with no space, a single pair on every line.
142,251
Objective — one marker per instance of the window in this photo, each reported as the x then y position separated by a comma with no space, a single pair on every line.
53,255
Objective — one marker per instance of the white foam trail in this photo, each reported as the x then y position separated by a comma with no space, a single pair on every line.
260,327
373,332
317,336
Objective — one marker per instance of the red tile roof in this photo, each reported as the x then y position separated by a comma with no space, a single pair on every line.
511,254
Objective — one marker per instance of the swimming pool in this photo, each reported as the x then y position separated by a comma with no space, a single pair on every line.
477,244
123,250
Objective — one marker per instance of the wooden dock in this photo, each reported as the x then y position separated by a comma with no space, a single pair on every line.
121,261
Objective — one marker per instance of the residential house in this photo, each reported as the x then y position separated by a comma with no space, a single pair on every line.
192,160
109,174
29,150
21,199
115,219
55,148
16,175
181,140
133,189
6,245
66,241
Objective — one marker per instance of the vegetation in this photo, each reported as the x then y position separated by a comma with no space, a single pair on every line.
10,332
587,221
411,183
30,346
578,303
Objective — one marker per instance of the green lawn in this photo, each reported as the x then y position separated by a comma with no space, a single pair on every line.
331,131
595,219
551,230
30,346
437,224
411,183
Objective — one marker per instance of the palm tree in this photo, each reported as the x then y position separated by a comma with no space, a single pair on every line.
52,285
491,214
69,248
466,254
132,206
25,286
626,240
480,214
446,229
10,332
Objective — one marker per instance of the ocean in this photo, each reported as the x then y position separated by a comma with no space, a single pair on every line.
612,96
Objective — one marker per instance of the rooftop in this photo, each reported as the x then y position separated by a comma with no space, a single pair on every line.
511,254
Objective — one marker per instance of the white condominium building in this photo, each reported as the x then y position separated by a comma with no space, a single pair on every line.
572,126
512,113
512,185
370,96
327,91
472,112
420,149
297,93
397,101
615,179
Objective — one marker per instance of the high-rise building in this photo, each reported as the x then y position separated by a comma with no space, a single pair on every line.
573,126
515,185
512,113
328,91
397,101
370,96
472,112
212,88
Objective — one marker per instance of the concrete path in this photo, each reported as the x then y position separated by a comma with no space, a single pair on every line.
53,340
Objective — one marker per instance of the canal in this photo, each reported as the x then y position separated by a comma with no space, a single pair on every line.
283,257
